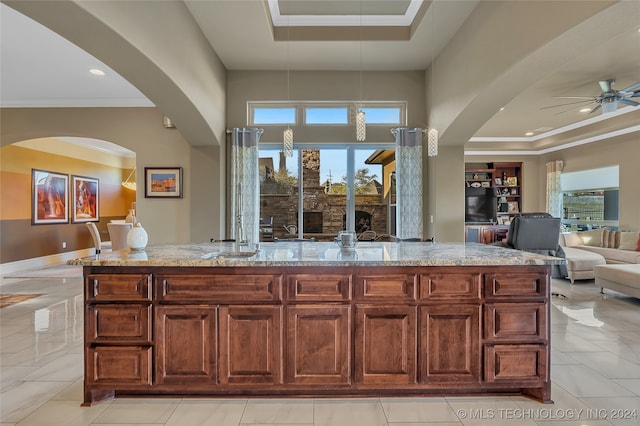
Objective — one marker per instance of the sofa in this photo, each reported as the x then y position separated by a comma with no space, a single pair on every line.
612,258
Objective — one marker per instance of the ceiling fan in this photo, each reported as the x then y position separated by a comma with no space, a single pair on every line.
609,99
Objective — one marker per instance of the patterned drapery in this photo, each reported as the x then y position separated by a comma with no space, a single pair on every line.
554,189
245,181
408,183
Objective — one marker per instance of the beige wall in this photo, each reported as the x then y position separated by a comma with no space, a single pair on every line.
141,131
623,151
245,86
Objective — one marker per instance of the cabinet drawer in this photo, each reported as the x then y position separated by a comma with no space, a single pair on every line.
118,323
118,287
400,287
121,365
325,287
526,364
219,288
455,287
515,321
521,286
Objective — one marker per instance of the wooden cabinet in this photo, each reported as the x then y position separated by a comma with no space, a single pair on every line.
186,344
317,331
251,345
504,180
118,335
385,344
318,344
449,344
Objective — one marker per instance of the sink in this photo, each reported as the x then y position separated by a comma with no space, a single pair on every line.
232,254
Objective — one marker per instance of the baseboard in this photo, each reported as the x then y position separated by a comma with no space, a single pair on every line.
44,261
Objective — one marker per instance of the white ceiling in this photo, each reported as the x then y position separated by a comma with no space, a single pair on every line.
38,68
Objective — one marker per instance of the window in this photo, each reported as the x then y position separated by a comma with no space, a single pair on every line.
326,115
321,191
590,198
383,115
272,115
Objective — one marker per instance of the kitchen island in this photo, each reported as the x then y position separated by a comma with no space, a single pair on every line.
309,319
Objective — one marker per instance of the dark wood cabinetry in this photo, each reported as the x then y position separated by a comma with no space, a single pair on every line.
339,330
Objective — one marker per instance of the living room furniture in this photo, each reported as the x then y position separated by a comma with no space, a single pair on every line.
588,249
505,178
622,278
97,241
485,234
294,320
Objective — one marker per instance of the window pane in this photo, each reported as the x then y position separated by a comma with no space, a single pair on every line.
285,115
327,115
278,193
382,115
584,210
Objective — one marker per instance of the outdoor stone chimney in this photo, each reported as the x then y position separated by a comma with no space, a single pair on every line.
311,168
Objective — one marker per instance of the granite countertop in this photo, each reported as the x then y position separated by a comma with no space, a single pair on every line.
320,254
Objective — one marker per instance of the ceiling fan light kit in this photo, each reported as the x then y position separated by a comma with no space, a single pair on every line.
609,99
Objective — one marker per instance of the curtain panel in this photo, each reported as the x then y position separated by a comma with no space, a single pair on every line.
554,189
409,222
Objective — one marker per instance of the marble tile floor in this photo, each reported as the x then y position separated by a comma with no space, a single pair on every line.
595,373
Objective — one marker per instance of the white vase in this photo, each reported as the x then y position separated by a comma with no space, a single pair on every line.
137,238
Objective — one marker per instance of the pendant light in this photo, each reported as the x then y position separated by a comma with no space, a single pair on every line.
287,135
432,134
127,183
361,124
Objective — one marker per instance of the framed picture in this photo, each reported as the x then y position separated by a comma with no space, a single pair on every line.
514,191
498,181
512,181
486,184
85,199
512,207
163,182
50,198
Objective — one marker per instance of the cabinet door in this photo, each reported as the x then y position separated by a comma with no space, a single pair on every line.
251,344
186,344
318,338
385,344
449,344
525,364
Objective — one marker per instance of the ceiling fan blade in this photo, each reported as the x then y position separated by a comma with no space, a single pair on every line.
635,94
631,88
569,103
597,107
628,102
605,85
573,97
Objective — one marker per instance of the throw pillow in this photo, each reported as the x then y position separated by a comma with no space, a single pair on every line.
614,239
571,239
638,248
592,238
629,240
605,238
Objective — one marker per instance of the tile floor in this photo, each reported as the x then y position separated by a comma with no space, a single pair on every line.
595,372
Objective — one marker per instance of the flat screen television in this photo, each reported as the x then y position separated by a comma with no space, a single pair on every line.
480,205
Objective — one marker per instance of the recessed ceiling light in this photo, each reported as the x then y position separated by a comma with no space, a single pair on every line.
529,134
585,109
96,71
502,109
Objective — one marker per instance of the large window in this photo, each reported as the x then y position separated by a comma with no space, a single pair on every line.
321,191
590,198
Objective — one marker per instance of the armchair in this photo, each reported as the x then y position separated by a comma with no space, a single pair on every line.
537,233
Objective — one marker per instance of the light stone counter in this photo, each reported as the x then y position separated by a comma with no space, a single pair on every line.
321,254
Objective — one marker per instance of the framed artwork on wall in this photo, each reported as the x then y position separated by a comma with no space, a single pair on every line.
85,199
163,182
49,197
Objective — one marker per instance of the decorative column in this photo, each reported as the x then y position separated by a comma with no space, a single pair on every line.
408,183
245,181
